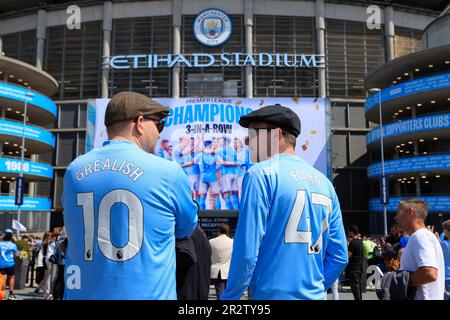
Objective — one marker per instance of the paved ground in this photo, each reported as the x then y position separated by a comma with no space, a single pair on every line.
345,294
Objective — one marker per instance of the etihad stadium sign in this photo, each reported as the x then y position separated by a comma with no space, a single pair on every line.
205,60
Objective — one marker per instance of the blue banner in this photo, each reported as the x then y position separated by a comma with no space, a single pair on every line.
435,203
12,165
13,92
32,204
33,133
417,164
439,81
435,122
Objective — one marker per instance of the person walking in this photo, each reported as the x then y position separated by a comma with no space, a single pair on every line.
222,249
356,262
8,251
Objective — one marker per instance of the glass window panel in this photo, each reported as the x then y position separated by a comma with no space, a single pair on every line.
67,147
68,116
339,150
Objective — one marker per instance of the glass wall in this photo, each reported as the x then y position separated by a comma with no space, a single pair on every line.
73,58
407,41
352,52
21,46
149,35
281,34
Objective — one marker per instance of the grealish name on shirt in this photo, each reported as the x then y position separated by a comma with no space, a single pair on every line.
125,167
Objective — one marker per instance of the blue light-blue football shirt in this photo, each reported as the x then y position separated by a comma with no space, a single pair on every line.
123,208
7,252
290,242
207,163
227,154
194,169
242,158
445,244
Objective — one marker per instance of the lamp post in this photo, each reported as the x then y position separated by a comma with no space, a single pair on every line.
384,184
20,183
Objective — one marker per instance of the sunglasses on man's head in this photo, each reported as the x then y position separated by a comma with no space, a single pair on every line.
159,123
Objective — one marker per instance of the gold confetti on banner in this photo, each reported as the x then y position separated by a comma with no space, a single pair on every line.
313,131
238,103
305,147
317,107
261,102
296,99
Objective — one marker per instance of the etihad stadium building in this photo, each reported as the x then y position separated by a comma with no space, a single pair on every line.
267,49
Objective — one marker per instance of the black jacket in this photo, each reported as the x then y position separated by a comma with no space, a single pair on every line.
193,266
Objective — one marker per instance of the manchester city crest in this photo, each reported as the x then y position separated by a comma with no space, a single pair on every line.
212,27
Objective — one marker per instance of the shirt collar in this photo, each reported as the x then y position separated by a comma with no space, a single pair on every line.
117,142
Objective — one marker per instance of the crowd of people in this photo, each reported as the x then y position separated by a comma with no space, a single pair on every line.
412,250
132,224
45,256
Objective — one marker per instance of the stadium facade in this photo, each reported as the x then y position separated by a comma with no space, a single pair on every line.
338,31
25,111
415,113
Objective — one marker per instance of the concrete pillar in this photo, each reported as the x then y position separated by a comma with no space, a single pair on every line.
389,31
248,23
176,27
106,51
41,29
320,35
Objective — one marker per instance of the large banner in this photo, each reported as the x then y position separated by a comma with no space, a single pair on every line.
203,135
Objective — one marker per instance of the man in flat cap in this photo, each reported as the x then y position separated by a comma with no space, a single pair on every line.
123,208
290,241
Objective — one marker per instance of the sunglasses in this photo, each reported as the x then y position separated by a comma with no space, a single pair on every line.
158,123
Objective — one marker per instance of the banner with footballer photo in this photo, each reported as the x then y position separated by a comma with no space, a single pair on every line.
204,137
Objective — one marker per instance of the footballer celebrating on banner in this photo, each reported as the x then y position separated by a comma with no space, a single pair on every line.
290,241
123,208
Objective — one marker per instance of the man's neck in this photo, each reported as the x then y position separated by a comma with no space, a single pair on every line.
416,226
131,139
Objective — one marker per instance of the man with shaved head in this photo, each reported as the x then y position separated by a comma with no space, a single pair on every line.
423,255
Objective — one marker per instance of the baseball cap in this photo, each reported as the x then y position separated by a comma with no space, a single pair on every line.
129,105
8,231
276,114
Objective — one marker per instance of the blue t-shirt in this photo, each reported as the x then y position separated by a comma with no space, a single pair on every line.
207,164
123,208
290,241
243,158
227,154
7,252
446,251
177,156
403,241
186,158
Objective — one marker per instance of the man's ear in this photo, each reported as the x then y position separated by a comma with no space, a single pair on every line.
410,211
140,125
